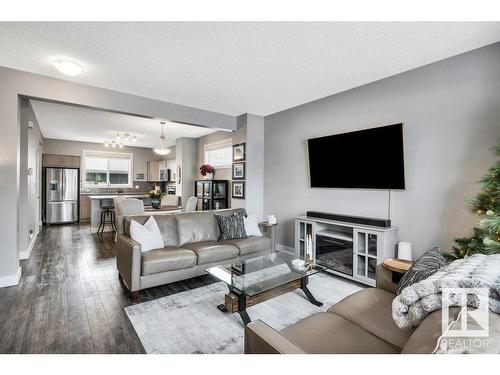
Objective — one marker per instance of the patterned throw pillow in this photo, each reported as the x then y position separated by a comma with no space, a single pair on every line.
425,266
232,227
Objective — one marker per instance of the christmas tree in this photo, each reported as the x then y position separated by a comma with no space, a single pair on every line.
486,234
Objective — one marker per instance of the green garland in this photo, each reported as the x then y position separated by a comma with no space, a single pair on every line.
486,234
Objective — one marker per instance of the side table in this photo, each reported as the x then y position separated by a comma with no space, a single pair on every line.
272,229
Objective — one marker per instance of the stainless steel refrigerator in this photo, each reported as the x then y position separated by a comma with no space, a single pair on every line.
61,195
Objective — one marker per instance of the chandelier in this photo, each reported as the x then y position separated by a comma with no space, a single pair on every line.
162,148
120,139
126,137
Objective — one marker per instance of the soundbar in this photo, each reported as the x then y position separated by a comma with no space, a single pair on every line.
383,223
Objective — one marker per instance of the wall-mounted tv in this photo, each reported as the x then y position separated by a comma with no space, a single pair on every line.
364,159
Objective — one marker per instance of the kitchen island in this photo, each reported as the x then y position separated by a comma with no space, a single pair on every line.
99,200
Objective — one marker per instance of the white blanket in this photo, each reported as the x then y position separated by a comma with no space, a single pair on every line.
417,301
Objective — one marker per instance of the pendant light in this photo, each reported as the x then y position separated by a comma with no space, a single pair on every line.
162,148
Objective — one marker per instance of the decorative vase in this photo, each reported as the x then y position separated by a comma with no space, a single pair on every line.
155,202
209,176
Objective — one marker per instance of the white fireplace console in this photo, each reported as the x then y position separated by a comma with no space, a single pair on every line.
345,249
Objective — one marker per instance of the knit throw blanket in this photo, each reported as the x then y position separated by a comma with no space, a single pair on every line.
417,301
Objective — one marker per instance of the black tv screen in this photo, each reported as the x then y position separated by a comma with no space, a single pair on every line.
364,159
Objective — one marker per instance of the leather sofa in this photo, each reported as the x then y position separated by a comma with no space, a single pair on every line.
359,324
191,246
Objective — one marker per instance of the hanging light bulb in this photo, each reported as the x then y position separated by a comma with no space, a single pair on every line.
162,148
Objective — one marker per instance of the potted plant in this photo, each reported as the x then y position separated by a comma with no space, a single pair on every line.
207,171
156,195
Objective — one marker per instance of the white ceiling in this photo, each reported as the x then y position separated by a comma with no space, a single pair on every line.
235,68
59,121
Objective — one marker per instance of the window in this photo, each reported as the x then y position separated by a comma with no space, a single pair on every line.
104,169
219,154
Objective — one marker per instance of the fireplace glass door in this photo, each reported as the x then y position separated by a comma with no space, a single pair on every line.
335,254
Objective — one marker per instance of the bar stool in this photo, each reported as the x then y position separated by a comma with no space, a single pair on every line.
107,217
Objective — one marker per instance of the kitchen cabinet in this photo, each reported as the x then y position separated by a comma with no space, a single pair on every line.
85,207
154,171
54,160
155,168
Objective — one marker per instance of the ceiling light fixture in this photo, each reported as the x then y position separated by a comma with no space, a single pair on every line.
70,68
162,148
126,137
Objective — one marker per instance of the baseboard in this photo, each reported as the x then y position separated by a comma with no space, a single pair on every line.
26,253
11,279
281,247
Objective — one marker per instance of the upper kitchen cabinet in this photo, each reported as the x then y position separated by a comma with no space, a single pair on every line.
154,171
64,161
162,170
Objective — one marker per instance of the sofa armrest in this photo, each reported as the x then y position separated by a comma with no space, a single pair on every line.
128,261
260,338
384,279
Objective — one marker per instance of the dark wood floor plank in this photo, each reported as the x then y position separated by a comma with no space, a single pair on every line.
69,299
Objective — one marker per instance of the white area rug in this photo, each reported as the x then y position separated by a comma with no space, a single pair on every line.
189,322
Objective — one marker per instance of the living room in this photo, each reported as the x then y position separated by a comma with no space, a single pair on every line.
262,197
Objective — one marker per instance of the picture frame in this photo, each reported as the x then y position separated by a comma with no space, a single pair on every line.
238,190
238,171
239,152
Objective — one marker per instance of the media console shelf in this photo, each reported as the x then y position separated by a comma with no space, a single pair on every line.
344,249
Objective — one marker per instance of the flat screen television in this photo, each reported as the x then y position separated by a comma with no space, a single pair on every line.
364,159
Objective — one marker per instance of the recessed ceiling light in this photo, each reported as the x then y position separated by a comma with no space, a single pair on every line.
70,68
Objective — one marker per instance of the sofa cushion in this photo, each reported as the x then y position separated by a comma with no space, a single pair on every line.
371,309
195,227
329,333
428,264
168,229
231,227
167,259
424,339
251,245
212,251
148,235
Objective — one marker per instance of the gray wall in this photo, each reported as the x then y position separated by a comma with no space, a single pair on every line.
14,84
185,151
31,144
451,115
141,155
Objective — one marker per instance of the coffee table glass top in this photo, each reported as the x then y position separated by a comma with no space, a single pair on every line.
256,275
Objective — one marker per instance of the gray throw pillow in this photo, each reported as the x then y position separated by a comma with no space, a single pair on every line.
428,264
232,227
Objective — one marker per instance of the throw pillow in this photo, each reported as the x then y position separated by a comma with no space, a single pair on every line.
251,225
148,235
428,264
232,227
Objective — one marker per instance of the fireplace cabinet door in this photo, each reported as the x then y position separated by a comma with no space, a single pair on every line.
368,248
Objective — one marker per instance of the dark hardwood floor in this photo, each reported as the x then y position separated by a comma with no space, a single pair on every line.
69,299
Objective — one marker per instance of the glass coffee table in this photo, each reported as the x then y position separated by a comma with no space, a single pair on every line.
255,280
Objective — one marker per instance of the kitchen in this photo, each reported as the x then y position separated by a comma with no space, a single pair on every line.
104,156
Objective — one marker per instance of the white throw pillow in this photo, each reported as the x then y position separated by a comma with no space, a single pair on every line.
148,235
251,226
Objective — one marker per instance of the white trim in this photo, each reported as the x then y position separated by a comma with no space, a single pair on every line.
281,247
26,253
11,279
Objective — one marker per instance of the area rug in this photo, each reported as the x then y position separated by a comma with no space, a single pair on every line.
189,322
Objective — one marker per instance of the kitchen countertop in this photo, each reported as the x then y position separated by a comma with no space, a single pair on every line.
111,196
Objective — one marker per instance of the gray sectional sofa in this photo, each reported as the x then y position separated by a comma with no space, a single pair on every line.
191,246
